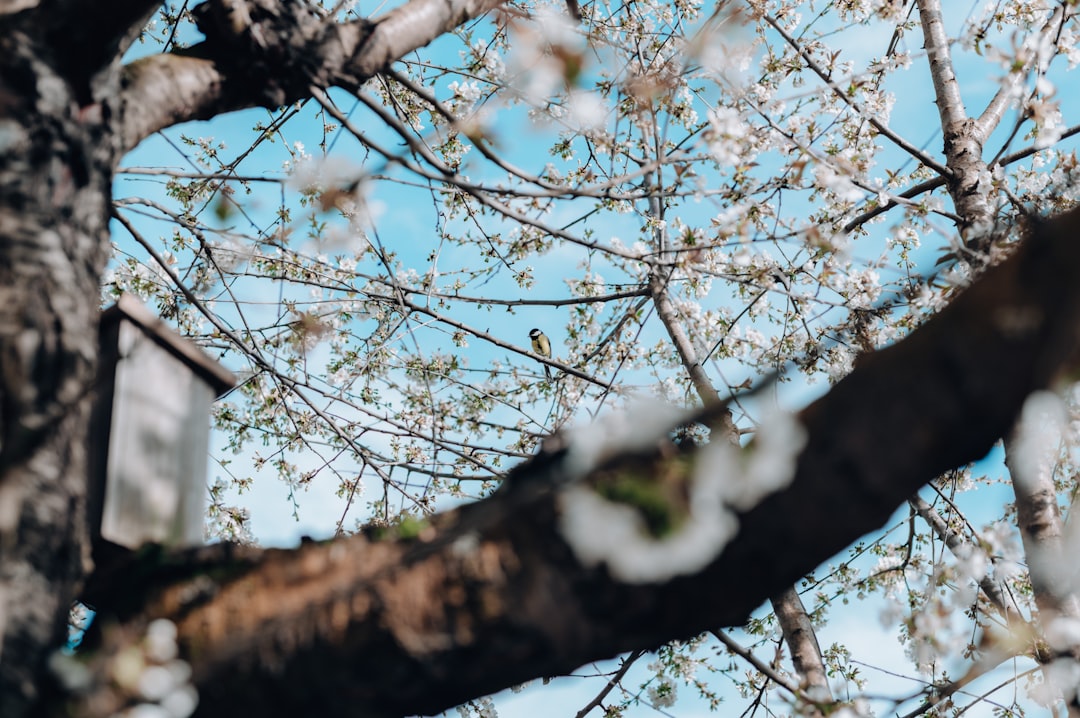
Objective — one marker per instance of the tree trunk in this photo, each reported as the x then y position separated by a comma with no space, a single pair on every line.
54,185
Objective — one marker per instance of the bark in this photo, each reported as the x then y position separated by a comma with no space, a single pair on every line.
1042,531
270,55
802,641
54,184
1043,534
968,181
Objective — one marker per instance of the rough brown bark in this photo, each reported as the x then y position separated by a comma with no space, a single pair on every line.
963,137
54,183
295,49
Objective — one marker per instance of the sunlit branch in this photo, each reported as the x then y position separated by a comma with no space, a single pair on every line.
1029,151
220,176
950,104
1007,94
665,310
932,184
1046,545
963,143
881,208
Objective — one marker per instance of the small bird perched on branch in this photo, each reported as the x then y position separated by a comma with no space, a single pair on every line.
542,346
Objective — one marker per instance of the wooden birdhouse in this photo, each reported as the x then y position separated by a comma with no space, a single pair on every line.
151,431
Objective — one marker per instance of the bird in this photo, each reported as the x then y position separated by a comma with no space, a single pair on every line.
542,346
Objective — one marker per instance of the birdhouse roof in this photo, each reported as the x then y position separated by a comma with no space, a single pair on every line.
129,308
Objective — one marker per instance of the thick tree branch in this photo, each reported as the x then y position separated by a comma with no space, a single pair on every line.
279,61
163,90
